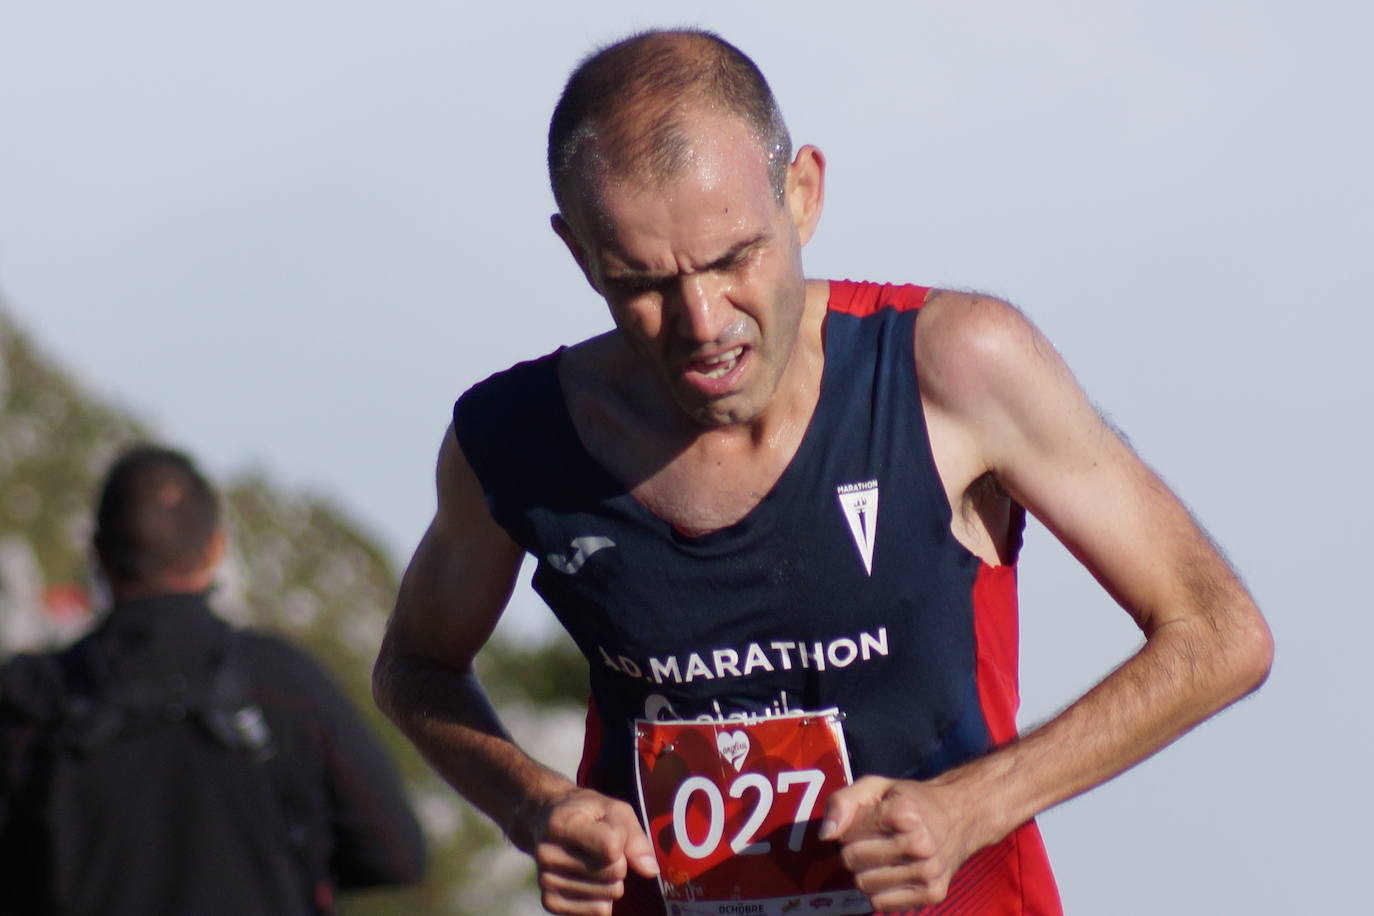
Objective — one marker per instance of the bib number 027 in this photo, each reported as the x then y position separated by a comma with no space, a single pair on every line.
731,808
802,785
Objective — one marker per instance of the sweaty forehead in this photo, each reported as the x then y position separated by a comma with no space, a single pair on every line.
692,219
721,169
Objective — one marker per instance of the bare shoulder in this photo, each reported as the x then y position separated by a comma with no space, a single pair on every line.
976,317
972,348
994,387
456,484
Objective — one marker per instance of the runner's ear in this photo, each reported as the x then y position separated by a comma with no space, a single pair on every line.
806,190
579,253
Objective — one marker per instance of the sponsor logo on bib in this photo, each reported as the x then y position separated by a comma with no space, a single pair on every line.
733,747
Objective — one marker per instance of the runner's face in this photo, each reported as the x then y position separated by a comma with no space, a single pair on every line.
703,275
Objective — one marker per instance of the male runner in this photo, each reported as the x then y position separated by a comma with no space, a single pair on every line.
701,487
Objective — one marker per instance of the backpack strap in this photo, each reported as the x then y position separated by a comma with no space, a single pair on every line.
232,718
95,709
227,710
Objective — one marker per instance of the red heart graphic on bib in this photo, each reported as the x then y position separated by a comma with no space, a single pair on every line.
734,746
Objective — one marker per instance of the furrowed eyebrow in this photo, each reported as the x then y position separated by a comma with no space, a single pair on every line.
733,256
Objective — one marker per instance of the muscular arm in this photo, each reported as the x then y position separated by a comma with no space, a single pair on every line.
452,594
998,399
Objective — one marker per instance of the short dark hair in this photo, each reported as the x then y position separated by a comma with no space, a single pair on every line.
156,516
632,97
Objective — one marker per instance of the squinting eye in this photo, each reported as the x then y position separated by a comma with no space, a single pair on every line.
636,287
741,260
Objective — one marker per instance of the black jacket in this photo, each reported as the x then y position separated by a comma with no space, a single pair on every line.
164,819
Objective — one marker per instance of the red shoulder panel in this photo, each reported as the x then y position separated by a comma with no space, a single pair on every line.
860,299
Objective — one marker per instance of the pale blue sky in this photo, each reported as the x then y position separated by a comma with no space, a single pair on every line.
290,233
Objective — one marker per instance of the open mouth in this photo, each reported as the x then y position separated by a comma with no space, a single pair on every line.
720,365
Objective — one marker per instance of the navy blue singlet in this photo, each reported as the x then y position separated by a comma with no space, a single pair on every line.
843,587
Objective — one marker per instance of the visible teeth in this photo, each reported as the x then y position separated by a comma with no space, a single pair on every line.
722,364
726,356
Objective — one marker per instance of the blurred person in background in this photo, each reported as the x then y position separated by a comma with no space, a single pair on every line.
170,763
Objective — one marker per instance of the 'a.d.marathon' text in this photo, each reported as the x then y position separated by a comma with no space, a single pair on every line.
771,656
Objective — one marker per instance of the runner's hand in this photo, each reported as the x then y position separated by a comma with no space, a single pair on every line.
587,846
901,838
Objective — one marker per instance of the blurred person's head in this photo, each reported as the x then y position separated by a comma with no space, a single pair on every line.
157,525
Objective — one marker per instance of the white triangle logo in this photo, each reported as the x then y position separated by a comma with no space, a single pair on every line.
860,504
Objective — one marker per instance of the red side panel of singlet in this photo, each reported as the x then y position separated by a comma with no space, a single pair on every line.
996,634
641,894
1013,877
591,744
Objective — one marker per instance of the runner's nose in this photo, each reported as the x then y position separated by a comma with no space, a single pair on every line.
702,311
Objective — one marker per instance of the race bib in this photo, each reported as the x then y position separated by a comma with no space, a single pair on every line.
733,808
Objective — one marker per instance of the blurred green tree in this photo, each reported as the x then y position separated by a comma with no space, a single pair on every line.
298,566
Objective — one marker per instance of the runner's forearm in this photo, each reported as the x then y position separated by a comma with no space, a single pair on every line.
448,717
1186,671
